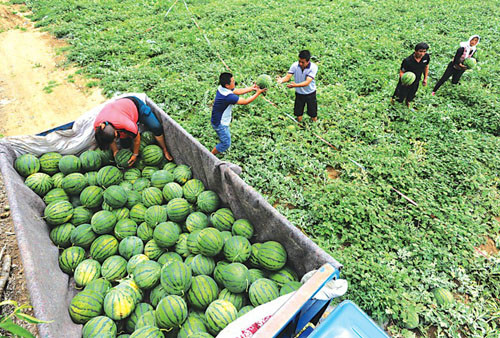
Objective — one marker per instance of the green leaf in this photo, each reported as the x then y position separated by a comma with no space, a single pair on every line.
15,329
8,302
31,319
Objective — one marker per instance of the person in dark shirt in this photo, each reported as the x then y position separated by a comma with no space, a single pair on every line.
456,67
226,97
418,63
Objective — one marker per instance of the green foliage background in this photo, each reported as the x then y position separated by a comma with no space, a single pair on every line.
445,155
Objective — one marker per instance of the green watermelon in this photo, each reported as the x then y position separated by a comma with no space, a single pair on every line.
81,215
85,306
470,63
290,287
262,291
181,246
61,235
138,213
148,137
130,246
91,177
235,277
49,162
27,164
90,160
145,232
203,291
114,268
157,294
172,190
202,265
138,312
192,189
83,236
182,174
56,194
121,214
272,255
166,234
103,247
131,175
152,196
99,325
408,78
178,209
237,249
196,221
171,312
160,178
147,274
222,219
153,250
99,286
219,314
155,215
133,261
242,227
115,196
134,197
140,184
191,326
70,258
118,304
208,201
152,155
40,183
168,257
58,212
124,228
255,274
283,276
57,179
108,176
444,297
69,164
91,197
176,278
103,222
264,81
237,299
209,242
87,271
122,157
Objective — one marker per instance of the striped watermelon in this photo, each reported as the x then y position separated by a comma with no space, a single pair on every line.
172,190
131,175
255,274
182,174
176,278
122,157
90,160
272,255
133,261
155,215
130,246
178,209
83,236
147,274
218,271
290,287
209,242
166,234
87,271
139,164
99,325
118,304
121,214
201,335
151,196
91,197
222,219
58,212
138,312
147,319
219,314
202,265
134,198
444,297
27,164
208,201
262,291
152,154
99,286
124,228
103,222
69,164
181,247
85,306
148,171
192,189
147,332
157,294
203,291
192,242
244,310
140,184
237,299
226,235
115,196
130,287
103,247
145,232
235,277
196,221
153,250
106,156
171,312
127,186
56,194
49,162
168,257
114,268
70,258
61,235
253,260
138,212
283,276
91,177
81,215
237,249
148,137
160,178
242,227
191,326
188,260
108,176
40,183
57,180
170,166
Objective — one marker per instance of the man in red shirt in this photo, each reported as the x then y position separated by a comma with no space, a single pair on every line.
119,119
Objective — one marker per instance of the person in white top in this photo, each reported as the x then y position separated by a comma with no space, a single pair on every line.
304,73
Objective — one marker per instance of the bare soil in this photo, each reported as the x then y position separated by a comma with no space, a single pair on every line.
37,92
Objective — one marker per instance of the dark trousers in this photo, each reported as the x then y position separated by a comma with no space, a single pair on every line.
406,92
456,74
301,100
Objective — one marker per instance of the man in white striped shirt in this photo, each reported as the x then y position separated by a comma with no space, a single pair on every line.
303,72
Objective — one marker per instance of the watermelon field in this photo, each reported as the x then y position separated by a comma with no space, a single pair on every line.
443,155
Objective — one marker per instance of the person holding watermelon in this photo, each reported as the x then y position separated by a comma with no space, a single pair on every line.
225,98
417,63
458,65
119,119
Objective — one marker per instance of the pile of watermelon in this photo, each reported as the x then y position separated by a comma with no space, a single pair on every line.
154,252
